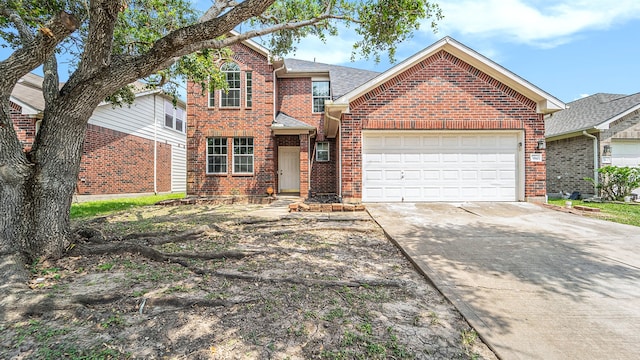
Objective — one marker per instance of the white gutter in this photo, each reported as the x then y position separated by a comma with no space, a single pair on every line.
595,158
275,90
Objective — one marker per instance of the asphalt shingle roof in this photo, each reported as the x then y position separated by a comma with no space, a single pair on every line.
343,78
287,121
589,112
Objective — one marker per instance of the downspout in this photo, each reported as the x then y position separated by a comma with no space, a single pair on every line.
595,158
275,90
339,145
155,146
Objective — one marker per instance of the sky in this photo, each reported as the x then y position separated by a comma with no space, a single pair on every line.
568,48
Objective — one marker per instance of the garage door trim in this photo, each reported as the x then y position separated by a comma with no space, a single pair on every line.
518,152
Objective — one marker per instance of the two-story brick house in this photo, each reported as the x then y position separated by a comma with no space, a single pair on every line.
447,124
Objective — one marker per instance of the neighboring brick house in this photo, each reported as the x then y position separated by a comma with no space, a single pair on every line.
133,149
598,130
446,124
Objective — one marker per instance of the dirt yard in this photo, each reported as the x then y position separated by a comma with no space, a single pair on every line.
232,282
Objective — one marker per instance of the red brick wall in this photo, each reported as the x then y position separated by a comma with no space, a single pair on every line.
25,126
112,162
204,122
441,93
295,99
117,163
324,173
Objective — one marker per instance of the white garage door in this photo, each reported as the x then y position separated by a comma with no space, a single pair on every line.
420,166
625,153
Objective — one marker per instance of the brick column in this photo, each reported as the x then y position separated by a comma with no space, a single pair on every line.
304,165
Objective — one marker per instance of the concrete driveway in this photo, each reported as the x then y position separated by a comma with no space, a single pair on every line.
534,283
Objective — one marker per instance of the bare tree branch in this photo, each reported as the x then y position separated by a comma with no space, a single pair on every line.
221,43
216,9
23,30
36,51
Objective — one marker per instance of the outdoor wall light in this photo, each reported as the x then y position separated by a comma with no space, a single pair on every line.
541,144
606,150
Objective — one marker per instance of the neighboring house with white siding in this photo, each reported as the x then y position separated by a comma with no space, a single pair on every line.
140,148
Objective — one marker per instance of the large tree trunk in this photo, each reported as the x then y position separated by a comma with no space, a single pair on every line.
36,202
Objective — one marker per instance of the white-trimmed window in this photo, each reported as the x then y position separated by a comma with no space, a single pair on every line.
321,92
174,117
322,151
243,155
248,89
217,155
212,97
231,97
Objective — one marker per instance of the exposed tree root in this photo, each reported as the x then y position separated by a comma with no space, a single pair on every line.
309,282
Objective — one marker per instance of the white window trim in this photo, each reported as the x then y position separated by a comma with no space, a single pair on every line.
173,121
318,150
239,89
248,74
315,97
233,157
211,92
226,156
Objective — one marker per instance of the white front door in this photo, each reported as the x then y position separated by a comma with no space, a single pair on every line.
288,169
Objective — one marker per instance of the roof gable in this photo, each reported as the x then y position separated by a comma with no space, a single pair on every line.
343,79
545,102
592,112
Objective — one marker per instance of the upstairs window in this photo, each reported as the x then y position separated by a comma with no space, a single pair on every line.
179,120
248,89
231,97
321,93
174,117
322,151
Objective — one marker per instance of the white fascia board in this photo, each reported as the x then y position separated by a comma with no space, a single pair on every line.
605,125
545,102
26,108
253,45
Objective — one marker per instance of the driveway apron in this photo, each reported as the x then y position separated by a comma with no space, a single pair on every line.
534,283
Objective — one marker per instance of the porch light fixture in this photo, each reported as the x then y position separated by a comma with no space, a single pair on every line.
541,144
606,151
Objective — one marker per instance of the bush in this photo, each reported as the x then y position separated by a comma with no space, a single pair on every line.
617,182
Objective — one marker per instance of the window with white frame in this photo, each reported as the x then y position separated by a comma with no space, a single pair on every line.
248,89
321,92
174,118
180,120
212,96
231,97
216,155
322,151
243,155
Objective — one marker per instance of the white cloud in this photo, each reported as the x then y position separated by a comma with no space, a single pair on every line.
534,22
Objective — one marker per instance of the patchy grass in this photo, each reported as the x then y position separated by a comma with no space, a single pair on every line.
94,208
616,212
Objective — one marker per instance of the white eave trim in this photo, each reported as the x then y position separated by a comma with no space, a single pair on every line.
605,125
26,108
253,45
545,102
572,133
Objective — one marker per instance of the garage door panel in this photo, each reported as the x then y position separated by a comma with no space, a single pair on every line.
392,175
441,167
